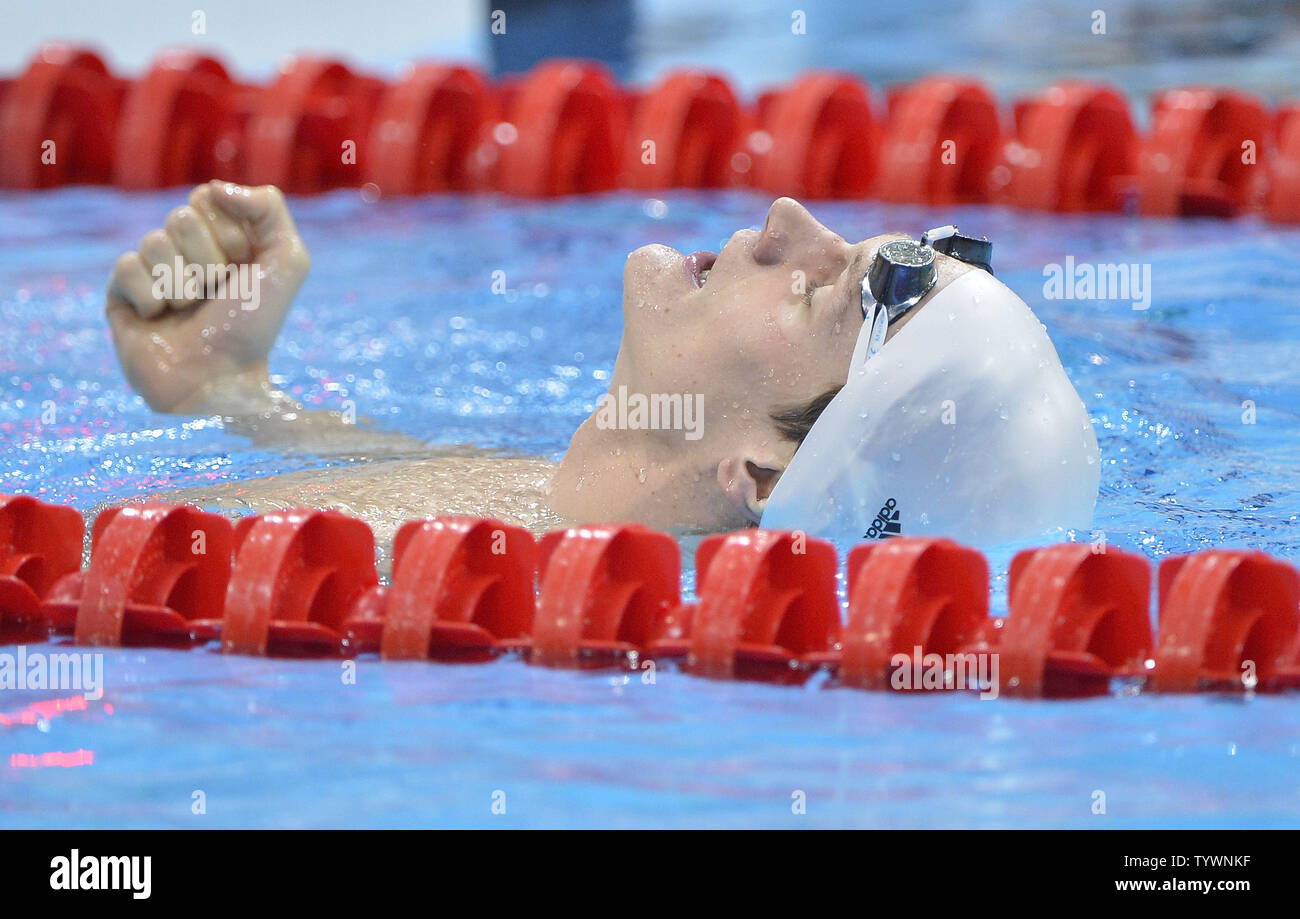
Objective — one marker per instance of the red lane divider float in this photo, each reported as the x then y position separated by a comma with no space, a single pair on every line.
1201,158
819,139
687,133
303,583
157,576
608,594
302,125
178,125
39,545
907,594
564,132
1075,149
1228,617
1284,179
427,125
296,578
767,607
942,141
1076,620
567,128
462,590
59,121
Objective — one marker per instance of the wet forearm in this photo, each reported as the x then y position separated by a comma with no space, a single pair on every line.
254,408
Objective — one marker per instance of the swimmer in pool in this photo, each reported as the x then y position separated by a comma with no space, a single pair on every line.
765,332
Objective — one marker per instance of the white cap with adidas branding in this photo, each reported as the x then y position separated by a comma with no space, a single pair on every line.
964,425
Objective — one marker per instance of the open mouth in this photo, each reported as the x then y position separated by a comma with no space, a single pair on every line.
698,266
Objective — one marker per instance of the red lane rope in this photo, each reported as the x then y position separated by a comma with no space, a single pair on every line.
302,583
568,128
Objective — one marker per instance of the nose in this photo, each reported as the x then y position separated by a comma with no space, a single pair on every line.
792,234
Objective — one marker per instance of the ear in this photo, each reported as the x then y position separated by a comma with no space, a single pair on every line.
747,483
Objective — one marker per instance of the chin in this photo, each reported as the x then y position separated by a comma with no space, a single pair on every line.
656,268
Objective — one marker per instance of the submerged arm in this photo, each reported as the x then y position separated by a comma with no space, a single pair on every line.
251,406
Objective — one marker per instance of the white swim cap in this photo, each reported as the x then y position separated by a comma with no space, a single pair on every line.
963,425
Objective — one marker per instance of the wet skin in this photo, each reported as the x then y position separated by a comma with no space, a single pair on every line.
767,324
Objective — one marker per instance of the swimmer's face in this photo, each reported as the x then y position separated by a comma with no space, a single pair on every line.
766,325
773,317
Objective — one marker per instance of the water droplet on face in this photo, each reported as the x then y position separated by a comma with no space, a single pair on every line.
1003,413
640,475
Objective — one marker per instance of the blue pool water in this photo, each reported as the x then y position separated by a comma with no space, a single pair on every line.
398,315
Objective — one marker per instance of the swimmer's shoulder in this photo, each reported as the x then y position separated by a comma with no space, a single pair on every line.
385,493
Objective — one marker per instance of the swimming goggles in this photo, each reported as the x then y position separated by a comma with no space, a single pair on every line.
903,272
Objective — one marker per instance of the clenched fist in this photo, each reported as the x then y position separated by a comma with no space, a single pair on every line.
195,311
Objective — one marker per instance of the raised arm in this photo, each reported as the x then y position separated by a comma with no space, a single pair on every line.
196,341
194,313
